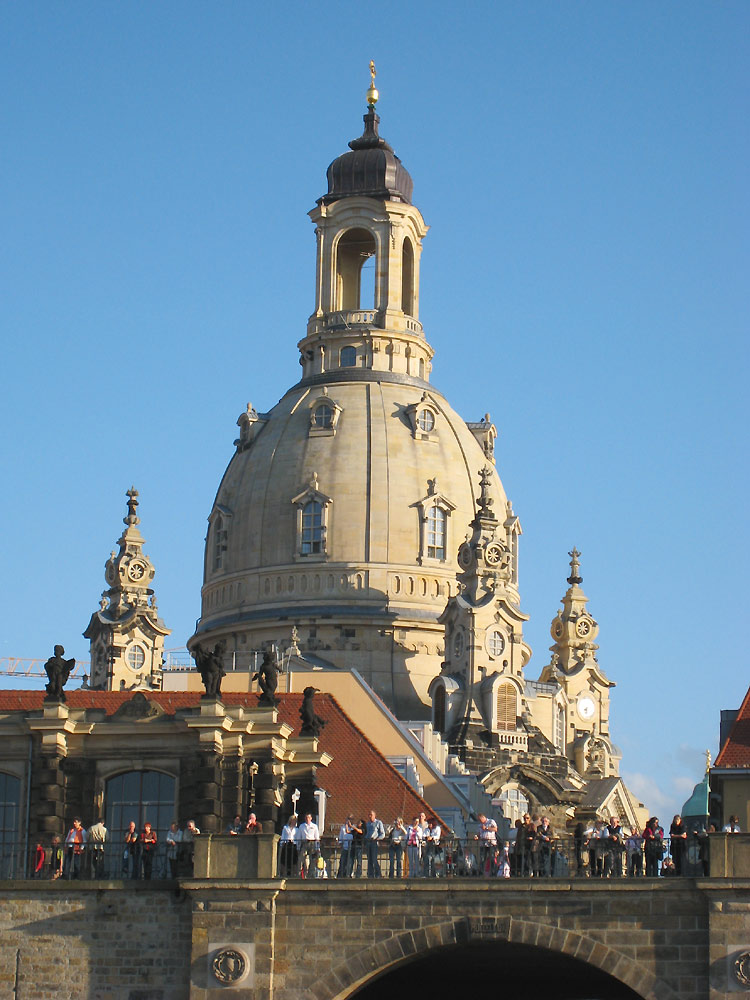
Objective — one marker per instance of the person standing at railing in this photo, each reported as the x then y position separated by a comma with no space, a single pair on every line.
374,834
40,856
733,826
148,849
414,848
613,860
345,848
56,858
97,840
75,845
634,849
173,839
431,848
288,849
308,840
487,837
653,844
132,855
358,846
678,843
545,836
396,849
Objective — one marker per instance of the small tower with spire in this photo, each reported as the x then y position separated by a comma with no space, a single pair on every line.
126,633
584,703
479,696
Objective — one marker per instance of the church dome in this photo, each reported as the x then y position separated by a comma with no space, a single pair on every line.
371,169
337,524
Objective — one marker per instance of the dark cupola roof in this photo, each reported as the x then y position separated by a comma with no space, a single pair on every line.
371,169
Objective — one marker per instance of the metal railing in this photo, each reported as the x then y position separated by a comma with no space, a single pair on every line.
452,858
114,861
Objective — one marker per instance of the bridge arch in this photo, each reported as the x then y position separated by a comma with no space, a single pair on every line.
372,963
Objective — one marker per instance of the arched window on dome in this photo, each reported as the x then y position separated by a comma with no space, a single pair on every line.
434,512
437,529
218,538
312,528
312,522
438,709
356,256
506,701
11,859
322,415
407,277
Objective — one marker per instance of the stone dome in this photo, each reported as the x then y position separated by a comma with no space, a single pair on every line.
371,169
371,599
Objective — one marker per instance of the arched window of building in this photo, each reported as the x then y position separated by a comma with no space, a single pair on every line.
355,270
506,706
312,528
438,709
426,420
138,796
11,857
514,803
436,532
348,357
220,541
407,278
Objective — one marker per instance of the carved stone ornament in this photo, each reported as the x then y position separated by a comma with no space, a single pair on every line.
229,966
742,968
139,707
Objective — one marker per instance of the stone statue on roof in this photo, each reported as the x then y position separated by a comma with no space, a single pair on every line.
58,671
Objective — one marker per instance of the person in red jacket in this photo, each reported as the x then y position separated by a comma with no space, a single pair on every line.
653,844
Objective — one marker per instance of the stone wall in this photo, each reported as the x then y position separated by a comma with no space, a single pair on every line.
106,942
272,940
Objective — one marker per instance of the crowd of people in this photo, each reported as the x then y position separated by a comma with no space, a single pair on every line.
94,853
366,847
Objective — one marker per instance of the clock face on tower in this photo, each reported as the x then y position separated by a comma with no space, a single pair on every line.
136,571
586,707
583,627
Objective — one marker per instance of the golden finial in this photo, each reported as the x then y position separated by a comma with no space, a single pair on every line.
372,94
708,761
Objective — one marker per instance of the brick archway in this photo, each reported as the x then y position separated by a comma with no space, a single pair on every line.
407,945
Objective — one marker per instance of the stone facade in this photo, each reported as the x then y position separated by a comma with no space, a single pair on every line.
673,940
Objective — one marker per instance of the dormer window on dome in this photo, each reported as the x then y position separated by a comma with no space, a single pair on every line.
324,415
423,417
434,518
313,509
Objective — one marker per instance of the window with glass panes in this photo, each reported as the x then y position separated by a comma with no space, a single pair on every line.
436,520
139,796
10,798
515,804
312,528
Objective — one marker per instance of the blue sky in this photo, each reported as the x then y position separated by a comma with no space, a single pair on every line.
583,170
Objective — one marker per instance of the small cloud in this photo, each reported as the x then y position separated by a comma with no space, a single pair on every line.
648,791
684,785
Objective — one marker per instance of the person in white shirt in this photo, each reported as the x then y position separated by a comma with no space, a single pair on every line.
308,840
733,826
396,849
288,849
431,848
174,839
97,838
487,836
414,847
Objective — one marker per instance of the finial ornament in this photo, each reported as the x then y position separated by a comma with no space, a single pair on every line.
132,518
485,500
575,575
372,94
708,761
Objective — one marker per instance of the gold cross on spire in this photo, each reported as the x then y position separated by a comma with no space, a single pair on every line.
372,94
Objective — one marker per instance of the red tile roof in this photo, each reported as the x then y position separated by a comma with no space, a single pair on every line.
736,750
358,779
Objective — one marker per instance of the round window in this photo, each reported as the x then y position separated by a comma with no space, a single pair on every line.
495,642
425,420
136,657
323,416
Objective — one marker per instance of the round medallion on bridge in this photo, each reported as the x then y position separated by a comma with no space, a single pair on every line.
229,966
742,968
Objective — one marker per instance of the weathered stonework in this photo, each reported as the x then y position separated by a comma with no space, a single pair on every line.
670,940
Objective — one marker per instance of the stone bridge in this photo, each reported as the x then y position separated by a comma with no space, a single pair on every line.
676,939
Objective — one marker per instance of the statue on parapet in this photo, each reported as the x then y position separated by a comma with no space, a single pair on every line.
312,724
268,680
211,667
58,671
